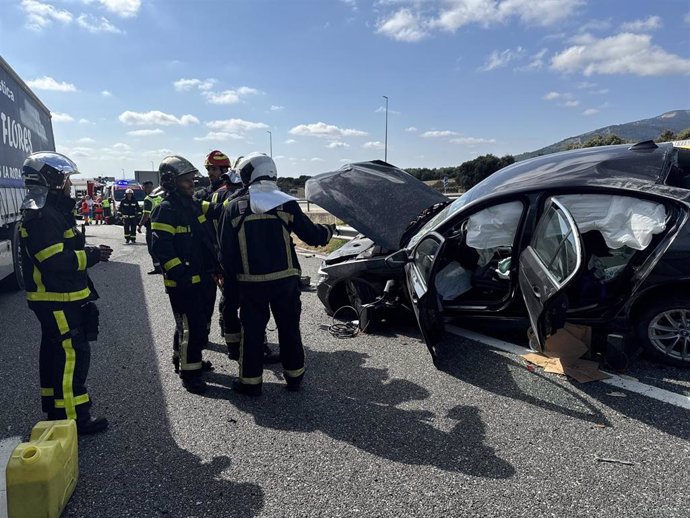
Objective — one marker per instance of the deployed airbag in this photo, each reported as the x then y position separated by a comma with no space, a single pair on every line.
494,226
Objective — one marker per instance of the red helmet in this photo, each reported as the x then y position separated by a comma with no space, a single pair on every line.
217,158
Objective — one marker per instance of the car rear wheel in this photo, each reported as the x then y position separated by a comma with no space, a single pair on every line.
664,330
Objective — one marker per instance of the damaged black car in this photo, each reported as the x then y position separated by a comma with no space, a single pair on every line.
596,236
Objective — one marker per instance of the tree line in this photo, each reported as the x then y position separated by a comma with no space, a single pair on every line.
473,171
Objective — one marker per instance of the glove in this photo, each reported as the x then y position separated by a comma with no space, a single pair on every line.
334,229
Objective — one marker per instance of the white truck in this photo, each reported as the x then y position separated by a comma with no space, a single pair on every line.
25,127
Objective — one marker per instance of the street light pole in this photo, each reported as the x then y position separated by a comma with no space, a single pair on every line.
152,168
270,143
385,145
123,172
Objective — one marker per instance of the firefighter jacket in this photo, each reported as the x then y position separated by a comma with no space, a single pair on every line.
259,247
182,241
54,258
128,208
206,193
150,203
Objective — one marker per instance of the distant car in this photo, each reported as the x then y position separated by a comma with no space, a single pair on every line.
115,191
596,236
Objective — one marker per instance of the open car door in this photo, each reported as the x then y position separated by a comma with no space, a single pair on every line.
550,264
425,302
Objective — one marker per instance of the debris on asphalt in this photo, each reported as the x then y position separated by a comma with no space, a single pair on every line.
616,394
614,461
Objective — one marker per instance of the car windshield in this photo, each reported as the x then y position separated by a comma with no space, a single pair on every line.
139,195
442,215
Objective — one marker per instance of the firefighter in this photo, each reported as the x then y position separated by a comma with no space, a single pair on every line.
129,208
58,288
259,258
150,202
106,210
184,245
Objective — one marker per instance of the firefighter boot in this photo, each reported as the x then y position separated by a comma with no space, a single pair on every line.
92,425
247,390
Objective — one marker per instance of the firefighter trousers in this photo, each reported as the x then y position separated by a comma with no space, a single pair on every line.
149,240
209,304
190,336
130,224
64,360
257,301
229,320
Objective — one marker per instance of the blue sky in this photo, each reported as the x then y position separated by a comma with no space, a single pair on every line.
130,81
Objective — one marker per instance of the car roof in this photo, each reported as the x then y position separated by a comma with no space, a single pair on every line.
603,166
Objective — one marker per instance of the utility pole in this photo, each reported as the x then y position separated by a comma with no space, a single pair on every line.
270,143
123,172
385,145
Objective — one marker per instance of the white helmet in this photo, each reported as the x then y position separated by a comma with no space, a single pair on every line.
256,166
129,191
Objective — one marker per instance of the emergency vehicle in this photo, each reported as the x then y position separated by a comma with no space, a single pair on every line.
115,191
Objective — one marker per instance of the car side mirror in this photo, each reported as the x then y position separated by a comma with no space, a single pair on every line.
397,259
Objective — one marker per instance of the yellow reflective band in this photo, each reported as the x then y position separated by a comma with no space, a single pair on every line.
202,219
163,227
194,366
38,280
47,296
169,284
196,279
69,233
78,400
182,230
294,373
81,260
147,212
47,392
23,232
205,206
274,276
251,381
49,251
175,261
70,360
184,343
242,240
215,196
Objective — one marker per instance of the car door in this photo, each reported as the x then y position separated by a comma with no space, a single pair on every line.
548,266
418,271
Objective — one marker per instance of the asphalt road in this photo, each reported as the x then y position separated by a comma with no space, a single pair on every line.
376,431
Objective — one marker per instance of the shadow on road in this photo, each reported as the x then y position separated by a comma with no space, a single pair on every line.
136,468
356,404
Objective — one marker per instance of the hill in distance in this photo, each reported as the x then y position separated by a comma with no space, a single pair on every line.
646,129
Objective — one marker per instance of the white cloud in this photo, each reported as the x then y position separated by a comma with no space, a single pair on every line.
158,153
317,159
106,93
40,15
219,136
61,117
145,132
536,61
572,103
275,108
155,118
96,24
123,8
623,53
323,130
337,144
85,140
438,134
345,160
229,96
590,111
373,145
650,24
235,126
121,147
552,96
290,141
382,109
404,25
48,83
85,121
500,59
595,25
472,141
411,129
184,85
586,85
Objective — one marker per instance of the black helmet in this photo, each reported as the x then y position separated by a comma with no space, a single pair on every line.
42,172
173,167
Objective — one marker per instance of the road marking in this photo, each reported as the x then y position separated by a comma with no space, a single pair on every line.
7,446
666,396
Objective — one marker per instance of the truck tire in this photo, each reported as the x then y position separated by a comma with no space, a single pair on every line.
16,281
664,331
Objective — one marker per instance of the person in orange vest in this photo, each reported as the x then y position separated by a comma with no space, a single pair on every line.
98,210
85,210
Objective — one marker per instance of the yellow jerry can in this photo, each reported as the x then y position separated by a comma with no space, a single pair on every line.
42,473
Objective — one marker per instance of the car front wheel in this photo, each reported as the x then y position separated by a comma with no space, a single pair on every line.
664,330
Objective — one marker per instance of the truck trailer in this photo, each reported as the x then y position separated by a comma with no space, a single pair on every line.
26,128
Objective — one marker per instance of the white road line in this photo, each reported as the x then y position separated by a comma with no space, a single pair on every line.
7,446
672,398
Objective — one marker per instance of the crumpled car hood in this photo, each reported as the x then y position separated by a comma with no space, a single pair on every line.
375,198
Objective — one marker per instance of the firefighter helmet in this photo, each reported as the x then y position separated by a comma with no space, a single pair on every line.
171,168
217,158
42,172
256,166
129,191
